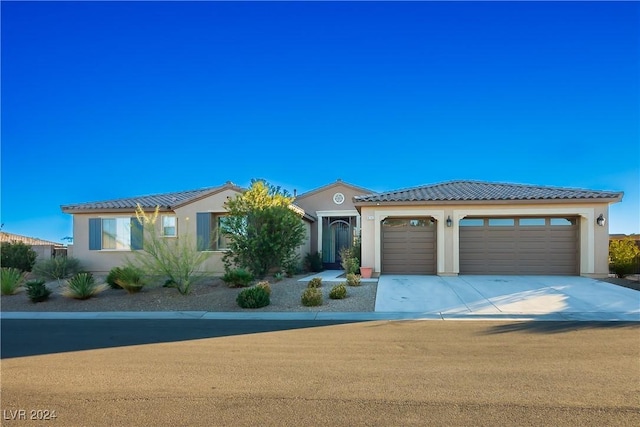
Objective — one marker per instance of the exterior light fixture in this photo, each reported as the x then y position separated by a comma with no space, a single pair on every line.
449,222
600,221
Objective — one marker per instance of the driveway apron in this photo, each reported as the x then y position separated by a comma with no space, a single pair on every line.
564,297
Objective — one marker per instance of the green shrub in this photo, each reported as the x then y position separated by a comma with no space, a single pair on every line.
292,266
82,286
338,291
57,268
113,276
37,290
10,281
313,262
316,282
353,279
350,264
622,256
254,297
278,276
238,278
17,255
130,279
264,285
311,297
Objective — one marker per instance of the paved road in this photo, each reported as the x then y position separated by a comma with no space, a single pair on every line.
369,373
31,337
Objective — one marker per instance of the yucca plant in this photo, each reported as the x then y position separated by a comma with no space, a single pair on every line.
10,280
82,286
37,290
130,279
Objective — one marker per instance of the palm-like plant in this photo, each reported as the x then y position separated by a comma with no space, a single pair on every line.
11,280
82,286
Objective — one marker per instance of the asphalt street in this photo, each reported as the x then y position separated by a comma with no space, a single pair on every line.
367,373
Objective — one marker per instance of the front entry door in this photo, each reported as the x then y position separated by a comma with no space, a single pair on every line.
336,234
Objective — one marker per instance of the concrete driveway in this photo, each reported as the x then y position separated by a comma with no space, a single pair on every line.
512,297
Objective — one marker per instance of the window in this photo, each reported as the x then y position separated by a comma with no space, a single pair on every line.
528,222
563,221
169,226
209,231
501,222
472,222
116,234
220,241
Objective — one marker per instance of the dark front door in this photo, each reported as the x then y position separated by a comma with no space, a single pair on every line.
336,235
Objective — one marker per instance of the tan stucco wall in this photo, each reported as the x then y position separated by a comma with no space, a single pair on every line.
321,202
101,261
594,240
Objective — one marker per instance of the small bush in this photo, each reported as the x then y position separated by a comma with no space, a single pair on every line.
311,297
264,285
17,255
278,276
10,281
254,297
338,291
292,266
57,268
238,278
82,286
316,282
113,276
353,279
130,279
37,290
313,262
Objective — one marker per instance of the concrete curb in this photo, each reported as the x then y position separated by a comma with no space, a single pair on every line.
321,315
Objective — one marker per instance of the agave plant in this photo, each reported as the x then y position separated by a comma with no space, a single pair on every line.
37,290
10,280
82,286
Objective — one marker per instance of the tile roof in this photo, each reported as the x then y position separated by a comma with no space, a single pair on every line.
164,200
12,238
479,191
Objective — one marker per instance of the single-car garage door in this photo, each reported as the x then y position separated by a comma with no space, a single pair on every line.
408,246
519,246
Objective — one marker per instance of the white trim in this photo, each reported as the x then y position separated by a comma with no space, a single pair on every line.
437,214
587,232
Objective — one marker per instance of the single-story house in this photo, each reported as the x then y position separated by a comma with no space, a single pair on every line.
44,249
450,228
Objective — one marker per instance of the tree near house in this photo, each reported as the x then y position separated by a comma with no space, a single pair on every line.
263,229
176,260
622,256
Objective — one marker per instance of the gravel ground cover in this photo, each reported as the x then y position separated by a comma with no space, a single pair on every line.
210,294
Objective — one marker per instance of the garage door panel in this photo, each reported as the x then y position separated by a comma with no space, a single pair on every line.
408,249
519,249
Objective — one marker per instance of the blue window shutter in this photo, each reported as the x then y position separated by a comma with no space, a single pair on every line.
203,230
137,234
95,234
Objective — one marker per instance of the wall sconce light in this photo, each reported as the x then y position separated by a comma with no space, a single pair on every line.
449,222
600,221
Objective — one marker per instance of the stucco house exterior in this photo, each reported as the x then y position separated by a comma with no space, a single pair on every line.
450,228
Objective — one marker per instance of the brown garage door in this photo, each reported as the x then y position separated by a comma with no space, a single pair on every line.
519,246
408,246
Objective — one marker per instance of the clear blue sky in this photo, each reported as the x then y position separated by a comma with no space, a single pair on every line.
117,99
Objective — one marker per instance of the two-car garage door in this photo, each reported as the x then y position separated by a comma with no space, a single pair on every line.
535,246
526,245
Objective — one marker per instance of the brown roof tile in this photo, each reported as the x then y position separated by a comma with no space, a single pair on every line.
479,191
